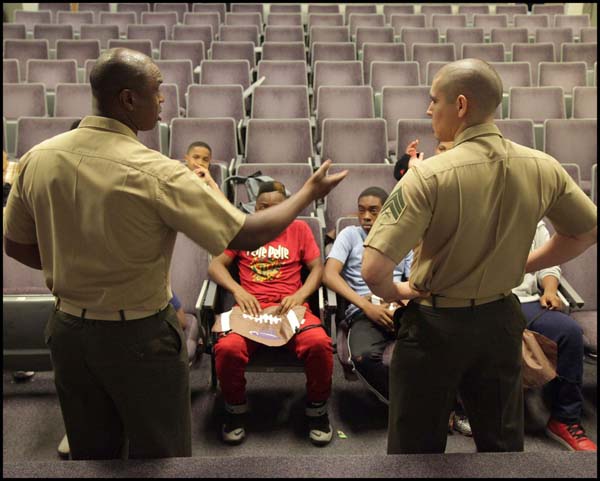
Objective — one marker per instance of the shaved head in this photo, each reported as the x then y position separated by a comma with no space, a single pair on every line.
477,81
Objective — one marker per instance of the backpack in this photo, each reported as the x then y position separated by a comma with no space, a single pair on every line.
252,184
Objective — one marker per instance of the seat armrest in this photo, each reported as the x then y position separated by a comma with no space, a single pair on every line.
207,312
574,300
316,161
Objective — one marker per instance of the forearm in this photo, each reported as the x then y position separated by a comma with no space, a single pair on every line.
559,249
28,254
312,282
549,285
220,274
337,284
263,226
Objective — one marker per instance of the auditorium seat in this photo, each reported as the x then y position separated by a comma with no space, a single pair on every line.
284,33
284,19
534,53
364,9
279,72
383,35
594,193
196,18
54,9
443,21
509,36
432,69
246,18
10,71
390,9
427,52
412,35
280,102
168,19
219,133
277,141
339,72
393,73
178,72
405,102
548,9
120,19
585,102
76,19
355,141
80,50
490,52
460,36
234,51
489,21
23,50
283,51
14,31
513,74
102,33
179,8
563,74
52,33
556,36
408,130
73,100
51,72
588,35
239,33
532,22
575,22
378,52
518,130
23,99
332,51
575,52
189,281
152,139
95,8
324,20
248,8
196,33
471,10
209,8
430,10
398,21
328,34
29,18
356,20
144,46
170,107
343,102
319,8
573,140
210,101
511,10
285,8
33,130
182,50
137,8
154,33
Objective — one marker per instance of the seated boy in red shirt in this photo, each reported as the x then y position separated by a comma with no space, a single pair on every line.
271,276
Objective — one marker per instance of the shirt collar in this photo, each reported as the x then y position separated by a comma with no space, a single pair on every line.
107,123
477,131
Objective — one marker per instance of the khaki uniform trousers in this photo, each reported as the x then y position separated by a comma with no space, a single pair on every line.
123,386
473,350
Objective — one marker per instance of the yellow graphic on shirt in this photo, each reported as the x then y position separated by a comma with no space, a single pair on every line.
267,262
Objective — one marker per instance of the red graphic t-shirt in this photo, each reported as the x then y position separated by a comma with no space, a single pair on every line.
272,271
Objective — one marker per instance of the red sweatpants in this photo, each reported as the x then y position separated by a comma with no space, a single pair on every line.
313,346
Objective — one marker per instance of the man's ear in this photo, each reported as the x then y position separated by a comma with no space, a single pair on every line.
462,106
126,99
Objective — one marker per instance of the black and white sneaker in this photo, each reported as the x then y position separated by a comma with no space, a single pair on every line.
233,431
320,432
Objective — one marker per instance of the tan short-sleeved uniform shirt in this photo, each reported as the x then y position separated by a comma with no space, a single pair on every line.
471,214
105,210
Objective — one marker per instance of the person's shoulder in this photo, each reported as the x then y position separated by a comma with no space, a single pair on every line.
351,233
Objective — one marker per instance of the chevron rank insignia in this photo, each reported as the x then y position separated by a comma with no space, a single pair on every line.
393,207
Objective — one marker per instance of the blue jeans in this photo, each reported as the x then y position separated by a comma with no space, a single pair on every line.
565,390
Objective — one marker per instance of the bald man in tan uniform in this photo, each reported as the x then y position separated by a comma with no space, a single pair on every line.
98,212
470,214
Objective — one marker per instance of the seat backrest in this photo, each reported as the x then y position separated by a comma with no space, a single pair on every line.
103,33
195,18
341,201
328,34
427,52
517,130
487,22
95,8
151,138
460,36
144,46
33,130
153,32
387,52
332,51
534,53
285,8
177,72
562,74
393,73
168,19
513,74
411,129
536,103
54,8
548,9
532,22
170,107
573,140
272,141
373,35
239,33
575,52
80,50
432,69
343,102
283,51
283,72
430,10
344,222
52,33
248,8
219,133
14,31
352,8
585,102
234,51
225,72
51,72
136,8
443,21
245,18
23,50
588,35
325,20
280,102
24,100
581,273
196,33
120,19
73,100
511,10
209,101
182,50
411,35
406,102
10,71
342,72
286,19
355,141
398,21
471,10
318,8
489,52
508,36
77,19
179,8
393,9
356,20
573,21
278,33
219,8
556,36
30,18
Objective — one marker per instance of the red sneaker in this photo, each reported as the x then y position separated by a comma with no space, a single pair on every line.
570,435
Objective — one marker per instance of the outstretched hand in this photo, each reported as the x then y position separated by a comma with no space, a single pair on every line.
411,149
320,184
